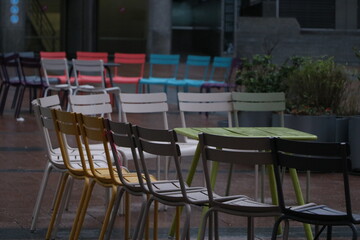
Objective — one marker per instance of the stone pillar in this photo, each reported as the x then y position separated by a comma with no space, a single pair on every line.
12,25
80,30
159,26
346,14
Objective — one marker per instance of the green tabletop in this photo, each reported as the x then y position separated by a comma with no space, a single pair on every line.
281,132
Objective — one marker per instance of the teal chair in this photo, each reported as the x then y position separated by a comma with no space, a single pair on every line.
220,70
196,71
163,68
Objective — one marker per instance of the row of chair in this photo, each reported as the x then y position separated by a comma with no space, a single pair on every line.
200,71
113,137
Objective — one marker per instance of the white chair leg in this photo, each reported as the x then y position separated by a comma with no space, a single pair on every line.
40,196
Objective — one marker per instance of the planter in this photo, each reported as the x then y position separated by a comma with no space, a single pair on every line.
255,119
354,141
324,127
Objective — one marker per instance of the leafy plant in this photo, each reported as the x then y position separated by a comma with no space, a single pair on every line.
260,75
316,87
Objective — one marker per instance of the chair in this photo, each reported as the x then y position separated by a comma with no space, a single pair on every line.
196,71
52,55
151,103
222,151
92,72
32,78
320,157
92,56
164,143
134,62
220,69
162,68
229,83
67,125
11,76
93,104
57,68
42,109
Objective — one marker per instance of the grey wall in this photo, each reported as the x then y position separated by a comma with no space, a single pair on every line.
285,37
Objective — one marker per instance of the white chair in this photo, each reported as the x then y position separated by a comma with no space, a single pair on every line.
259,102
42,107
57,68
147,103
90,71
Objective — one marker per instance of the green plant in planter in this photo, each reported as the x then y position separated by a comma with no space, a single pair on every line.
316,87
260,75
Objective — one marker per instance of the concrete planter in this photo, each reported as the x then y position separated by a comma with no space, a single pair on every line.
354,141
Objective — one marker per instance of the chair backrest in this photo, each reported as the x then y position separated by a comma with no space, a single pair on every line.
92,56
55,67
93,131
84,69
52,55
67,130
127,60
120,136
206,103
144,103
10,68
197,67
242,152
220,69
164,65
258,102
159,143
91,104
315,157
42,110
31,70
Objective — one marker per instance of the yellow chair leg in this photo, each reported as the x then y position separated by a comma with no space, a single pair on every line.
178,212
156,217
80,214
108,212
57,204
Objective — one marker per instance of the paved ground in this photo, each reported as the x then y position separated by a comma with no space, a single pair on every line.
22,160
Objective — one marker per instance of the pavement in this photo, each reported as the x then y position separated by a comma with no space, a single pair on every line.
22,162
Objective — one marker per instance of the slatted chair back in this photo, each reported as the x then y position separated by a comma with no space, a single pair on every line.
258,102
316,157
92,104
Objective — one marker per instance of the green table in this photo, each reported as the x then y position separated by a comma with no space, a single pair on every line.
280,132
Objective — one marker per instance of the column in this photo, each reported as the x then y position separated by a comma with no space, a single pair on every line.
159,26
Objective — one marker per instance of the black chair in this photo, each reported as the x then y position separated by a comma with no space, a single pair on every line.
11,77
244,154
315,156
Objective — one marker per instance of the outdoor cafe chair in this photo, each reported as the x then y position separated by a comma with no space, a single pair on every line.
11,77
322,158
148,104
67,131
244,153
52,55
258,102
162,68
131,68
164,143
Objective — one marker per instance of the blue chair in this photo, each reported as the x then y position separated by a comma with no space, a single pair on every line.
196,71
227,77
158,72
220,70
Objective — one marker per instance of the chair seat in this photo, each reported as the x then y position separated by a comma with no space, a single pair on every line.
14,80
121,79
175,82
197,195
246,204
155,80
194,83
317,213
91,79
33,80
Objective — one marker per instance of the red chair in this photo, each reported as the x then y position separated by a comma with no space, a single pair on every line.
92,56
53,55
134,63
